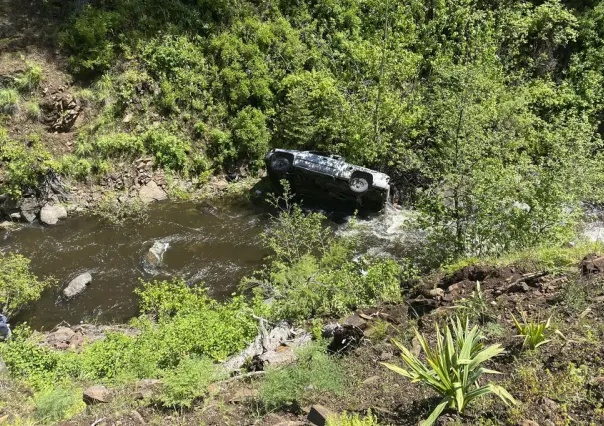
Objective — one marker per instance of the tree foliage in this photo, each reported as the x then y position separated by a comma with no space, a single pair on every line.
487,115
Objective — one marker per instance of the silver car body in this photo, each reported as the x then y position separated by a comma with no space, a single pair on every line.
333,169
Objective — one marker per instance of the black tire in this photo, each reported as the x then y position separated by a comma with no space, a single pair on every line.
280,164
359,184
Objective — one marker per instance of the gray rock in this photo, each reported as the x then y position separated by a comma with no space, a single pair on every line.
151,192
62,335
96,394
77,285
50,215
30,207
318,415
155,256
278,357
15,216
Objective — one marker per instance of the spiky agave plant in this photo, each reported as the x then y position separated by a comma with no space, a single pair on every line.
534,332
454,367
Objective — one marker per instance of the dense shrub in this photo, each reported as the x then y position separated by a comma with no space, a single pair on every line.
188,381
90,39
18,285
250,135
118,144
170,151
313,273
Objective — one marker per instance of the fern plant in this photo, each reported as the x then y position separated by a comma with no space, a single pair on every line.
453,368
534,332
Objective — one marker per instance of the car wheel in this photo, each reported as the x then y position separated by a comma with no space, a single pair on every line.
359,184
280,164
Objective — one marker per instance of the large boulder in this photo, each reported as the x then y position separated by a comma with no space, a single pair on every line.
29,207
151,192
77,285
50,215
155,256
592,264
96,394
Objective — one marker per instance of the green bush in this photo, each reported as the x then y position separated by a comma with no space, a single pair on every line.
89,39
9,101
187,382
313,273
118,144
314,374
79,168
60,403
20,166
250,134
169,150
37,366
18,285
221,146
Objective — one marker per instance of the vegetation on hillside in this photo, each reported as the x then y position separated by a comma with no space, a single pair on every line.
486,114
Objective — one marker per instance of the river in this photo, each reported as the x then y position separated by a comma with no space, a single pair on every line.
217,245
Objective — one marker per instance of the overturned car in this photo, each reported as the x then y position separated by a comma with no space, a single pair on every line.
323,174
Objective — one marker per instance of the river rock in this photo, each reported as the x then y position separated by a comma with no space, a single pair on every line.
96,394
155,256
77,285
50,215
151,192
30,207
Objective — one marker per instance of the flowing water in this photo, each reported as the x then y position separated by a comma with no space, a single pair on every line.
215,245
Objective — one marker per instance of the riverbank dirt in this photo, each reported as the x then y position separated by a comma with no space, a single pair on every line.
560,383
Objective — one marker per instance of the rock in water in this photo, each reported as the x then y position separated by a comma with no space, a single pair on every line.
30,207
50,215
151,192
155,256
77,285
95,394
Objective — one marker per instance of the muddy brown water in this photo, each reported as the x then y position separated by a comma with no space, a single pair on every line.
215,245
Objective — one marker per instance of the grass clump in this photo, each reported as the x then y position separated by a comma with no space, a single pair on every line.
353,420
453,367
33,111
533,332
55,405
31,78
475,307
300,384
9,101
188,381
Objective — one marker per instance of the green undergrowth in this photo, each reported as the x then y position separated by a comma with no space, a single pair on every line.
187,323
314,374
314,273
550,258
